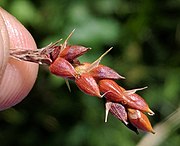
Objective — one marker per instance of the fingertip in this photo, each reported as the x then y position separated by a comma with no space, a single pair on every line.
17,82
18,77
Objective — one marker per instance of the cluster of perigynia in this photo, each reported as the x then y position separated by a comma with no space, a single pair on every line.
98,80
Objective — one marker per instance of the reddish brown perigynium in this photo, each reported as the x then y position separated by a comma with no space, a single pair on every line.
118,110
87,84
116,93
61,67
93,79
104,72
139,120
71,52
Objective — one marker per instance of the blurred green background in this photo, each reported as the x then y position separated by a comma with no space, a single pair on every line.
145,35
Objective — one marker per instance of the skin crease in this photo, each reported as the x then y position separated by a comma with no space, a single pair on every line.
16,77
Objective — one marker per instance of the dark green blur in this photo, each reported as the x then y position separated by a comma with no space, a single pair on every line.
145,36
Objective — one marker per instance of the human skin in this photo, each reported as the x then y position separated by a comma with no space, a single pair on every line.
16,77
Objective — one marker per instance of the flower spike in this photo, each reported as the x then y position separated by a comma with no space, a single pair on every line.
93,79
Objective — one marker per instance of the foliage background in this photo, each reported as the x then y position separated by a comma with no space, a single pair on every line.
145,35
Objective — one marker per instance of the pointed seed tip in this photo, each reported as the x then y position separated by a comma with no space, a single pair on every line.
145,87
57,41
100,96
150,112
126,123
153,132
109,49
121,77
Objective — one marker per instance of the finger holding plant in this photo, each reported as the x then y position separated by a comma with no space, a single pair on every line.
93,79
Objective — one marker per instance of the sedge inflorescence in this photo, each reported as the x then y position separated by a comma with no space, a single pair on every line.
93,79
98,80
